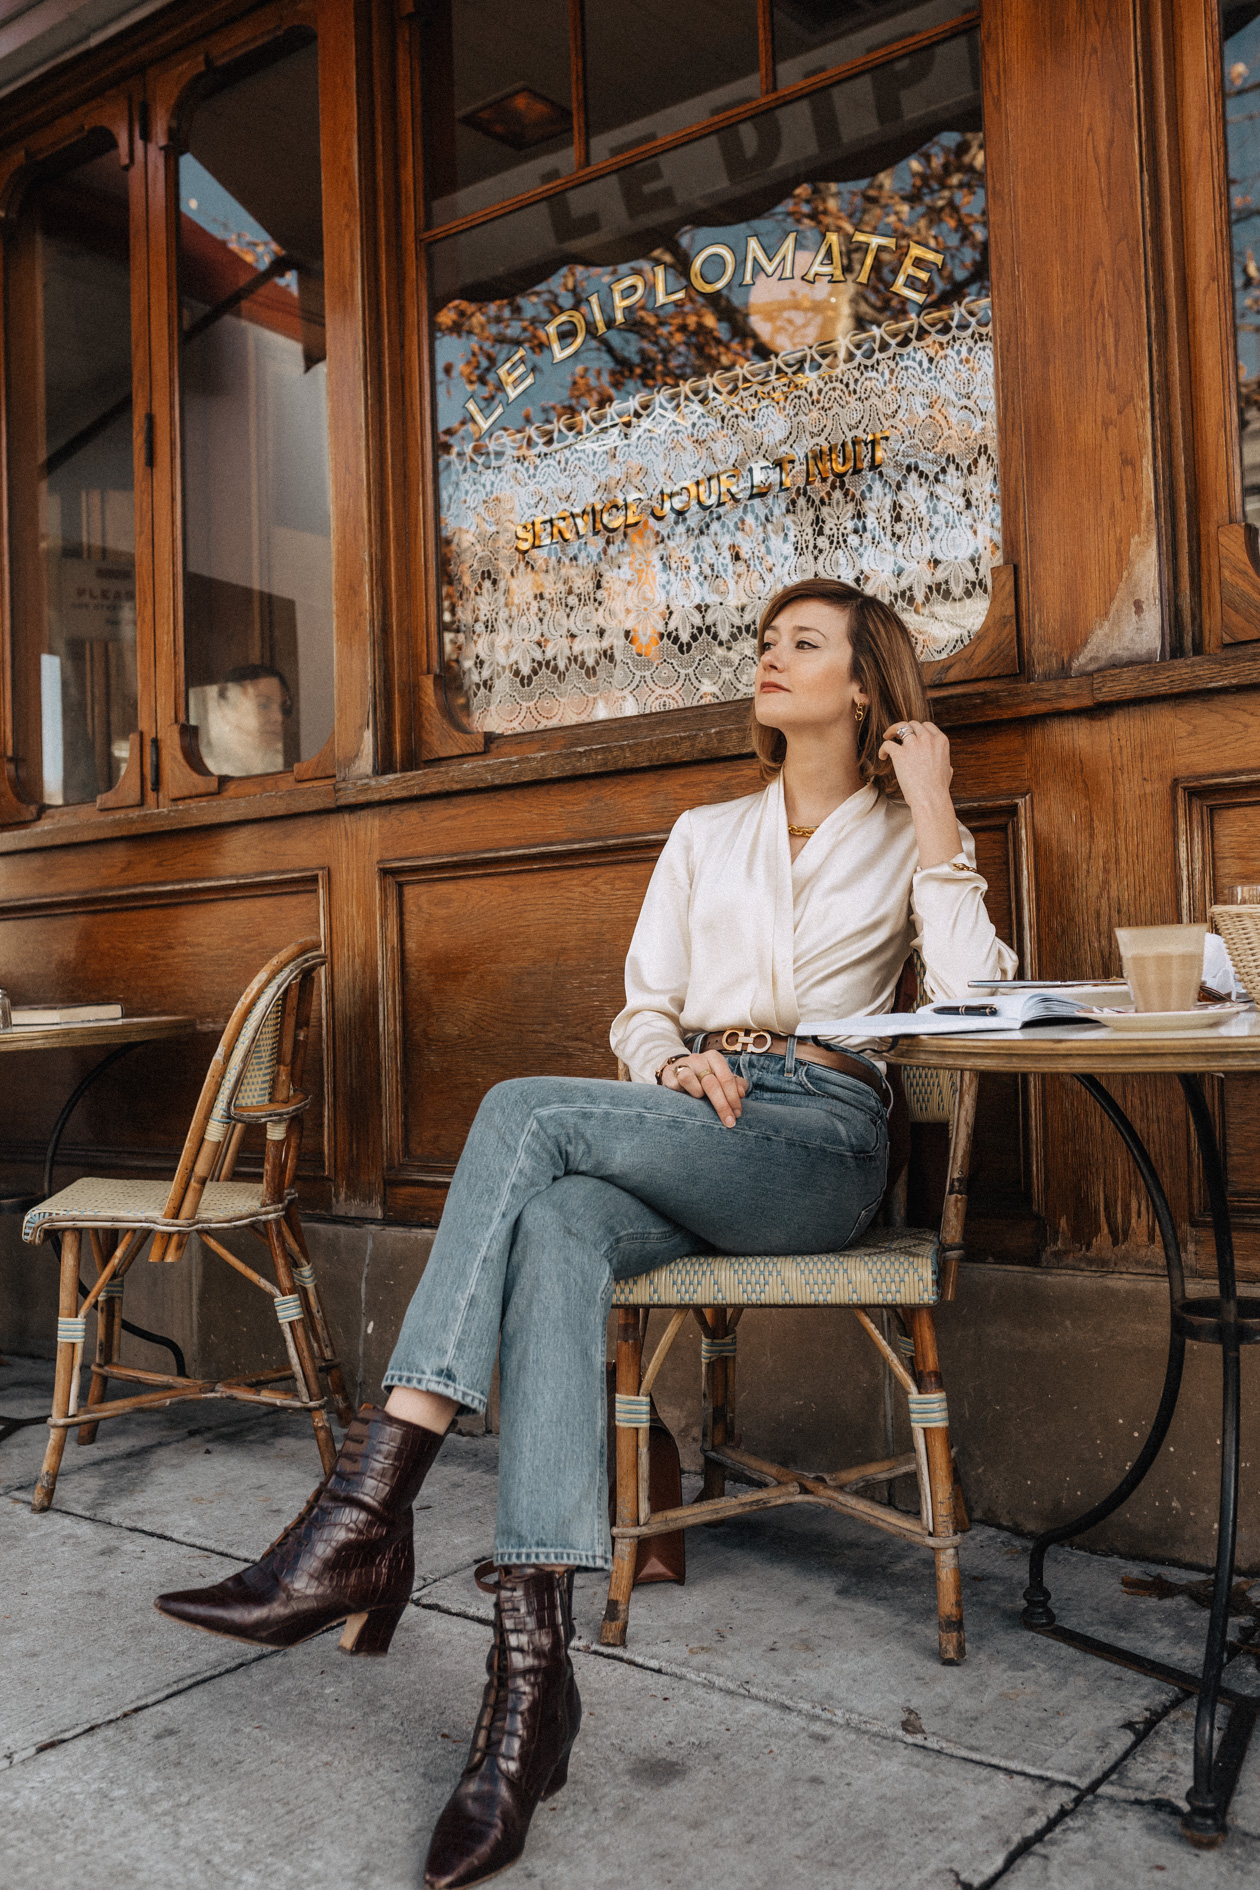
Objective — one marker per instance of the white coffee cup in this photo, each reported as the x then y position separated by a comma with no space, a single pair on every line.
1163,965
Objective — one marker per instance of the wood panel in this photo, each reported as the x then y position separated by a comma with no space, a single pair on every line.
1072,328
187,947
499,965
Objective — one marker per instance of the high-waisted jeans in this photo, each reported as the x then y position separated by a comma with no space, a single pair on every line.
566,1185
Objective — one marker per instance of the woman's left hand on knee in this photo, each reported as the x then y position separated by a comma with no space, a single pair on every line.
707,1074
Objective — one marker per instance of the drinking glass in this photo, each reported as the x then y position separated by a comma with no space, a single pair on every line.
1163,964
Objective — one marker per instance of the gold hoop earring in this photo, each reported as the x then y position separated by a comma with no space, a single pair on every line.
859,714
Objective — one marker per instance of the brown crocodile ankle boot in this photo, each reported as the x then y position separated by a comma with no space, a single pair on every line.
348,1556
530,1714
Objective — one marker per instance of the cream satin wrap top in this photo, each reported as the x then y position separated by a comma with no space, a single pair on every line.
734,932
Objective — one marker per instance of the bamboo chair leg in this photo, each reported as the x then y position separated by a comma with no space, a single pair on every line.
305,1351
67,1356
328,1359
616,1620
714,1415
952,1642
108,1331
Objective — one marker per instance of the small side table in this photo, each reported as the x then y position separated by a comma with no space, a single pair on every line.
1223,1319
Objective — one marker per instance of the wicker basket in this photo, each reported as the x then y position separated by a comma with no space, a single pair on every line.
1239,926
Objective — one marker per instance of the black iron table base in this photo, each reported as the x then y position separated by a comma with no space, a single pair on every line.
1229,1322
19,1204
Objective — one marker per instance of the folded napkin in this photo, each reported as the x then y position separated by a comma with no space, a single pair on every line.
1218,969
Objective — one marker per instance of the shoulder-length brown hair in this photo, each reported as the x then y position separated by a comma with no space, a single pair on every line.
884,663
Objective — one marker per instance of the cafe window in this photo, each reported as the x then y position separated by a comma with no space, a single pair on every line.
71,480
1240,33
759,356
257,536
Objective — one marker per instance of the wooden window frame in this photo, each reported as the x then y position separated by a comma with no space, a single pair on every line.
172,88
140,109
116,111
1189,69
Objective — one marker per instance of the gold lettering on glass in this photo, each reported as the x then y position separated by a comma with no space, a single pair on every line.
627,292
516,375
708,286
782,263
873,243
916,254
572,317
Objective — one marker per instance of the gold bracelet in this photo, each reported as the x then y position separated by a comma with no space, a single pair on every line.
679,1056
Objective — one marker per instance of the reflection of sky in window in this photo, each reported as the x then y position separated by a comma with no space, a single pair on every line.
552,379
204,199
1242,117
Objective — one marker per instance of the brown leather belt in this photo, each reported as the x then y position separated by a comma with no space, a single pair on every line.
762,1043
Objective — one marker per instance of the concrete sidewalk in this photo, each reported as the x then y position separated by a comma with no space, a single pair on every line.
780,1721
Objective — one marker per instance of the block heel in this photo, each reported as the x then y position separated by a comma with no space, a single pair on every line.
347,1556
372,1632
559,1778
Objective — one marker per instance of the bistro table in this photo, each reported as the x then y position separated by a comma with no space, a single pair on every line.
119,1035
1088,1053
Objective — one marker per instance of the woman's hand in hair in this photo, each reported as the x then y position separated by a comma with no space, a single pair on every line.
919,752
706,1073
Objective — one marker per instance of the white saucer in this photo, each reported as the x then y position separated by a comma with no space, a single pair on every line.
1167,1023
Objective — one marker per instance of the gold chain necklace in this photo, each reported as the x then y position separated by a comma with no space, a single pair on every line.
801,833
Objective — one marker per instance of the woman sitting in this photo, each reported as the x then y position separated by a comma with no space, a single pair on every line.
805,898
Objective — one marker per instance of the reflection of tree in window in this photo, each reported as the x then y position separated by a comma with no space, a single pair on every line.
934,197
1241,33
257,531
619,369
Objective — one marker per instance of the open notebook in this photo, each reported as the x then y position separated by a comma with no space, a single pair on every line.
1005,1011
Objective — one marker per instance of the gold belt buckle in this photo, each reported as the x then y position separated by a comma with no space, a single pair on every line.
747,1040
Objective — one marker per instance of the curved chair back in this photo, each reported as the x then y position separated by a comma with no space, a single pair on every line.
251,1077
930,1094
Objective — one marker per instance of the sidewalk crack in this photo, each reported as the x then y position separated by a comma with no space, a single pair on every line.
138,1529
21,1753
1155,1717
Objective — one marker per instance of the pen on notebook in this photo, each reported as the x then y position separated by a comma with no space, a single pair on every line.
965,1010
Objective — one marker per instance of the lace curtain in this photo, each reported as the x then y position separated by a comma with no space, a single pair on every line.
663,615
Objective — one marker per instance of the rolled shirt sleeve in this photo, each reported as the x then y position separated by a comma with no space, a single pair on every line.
953,931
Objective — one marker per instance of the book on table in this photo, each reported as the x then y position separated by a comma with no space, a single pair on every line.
37,1016
1006,1011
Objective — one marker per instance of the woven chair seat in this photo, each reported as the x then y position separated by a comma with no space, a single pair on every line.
888,1266
97,1202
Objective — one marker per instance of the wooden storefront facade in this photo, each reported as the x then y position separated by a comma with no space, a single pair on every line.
476,886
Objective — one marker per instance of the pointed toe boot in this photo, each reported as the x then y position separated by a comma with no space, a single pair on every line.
530,1714
348,1556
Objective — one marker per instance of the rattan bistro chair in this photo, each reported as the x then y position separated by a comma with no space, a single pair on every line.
254,1079
901,1270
